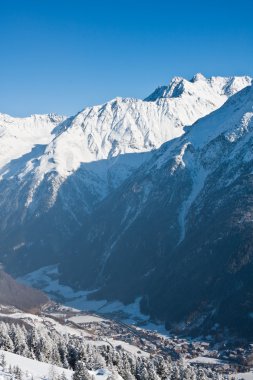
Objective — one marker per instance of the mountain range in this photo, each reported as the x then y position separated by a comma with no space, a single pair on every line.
140,198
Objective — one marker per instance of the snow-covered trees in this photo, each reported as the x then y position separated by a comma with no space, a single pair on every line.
19,340
3,362
5,337
81,372
73,352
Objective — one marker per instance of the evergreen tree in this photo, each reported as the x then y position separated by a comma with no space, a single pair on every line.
17,373
81,372
3,362
63,353
5,340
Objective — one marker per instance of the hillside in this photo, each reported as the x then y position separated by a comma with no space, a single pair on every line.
18,295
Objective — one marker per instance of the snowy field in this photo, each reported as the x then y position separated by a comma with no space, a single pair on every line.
35,370
80,319
35,320
206,360
244,376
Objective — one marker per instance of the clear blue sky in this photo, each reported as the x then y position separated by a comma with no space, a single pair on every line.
61,55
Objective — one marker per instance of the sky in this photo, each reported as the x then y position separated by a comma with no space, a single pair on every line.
63,55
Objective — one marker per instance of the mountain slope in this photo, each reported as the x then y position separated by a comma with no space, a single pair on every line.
63,174
17,295
183,221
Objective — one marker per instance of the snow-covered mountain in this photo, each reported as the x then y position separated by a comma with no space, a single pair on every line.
55,170
128,126
120,127
182,221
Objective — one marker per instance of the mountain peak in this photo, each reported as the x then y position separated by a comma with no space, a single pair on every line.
197,77
176,80
173,90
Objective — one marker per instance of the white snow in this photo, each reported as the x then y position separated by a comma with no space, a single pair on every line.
206,360
128,347
36,370
242,375
80,319
19,136
199,175
237,112
40,321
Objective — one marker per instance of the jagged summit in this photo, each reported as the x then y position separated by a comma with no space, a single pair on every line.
199,85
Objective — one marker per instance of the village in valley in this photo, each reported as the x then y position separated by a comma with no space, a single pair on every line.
226,357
